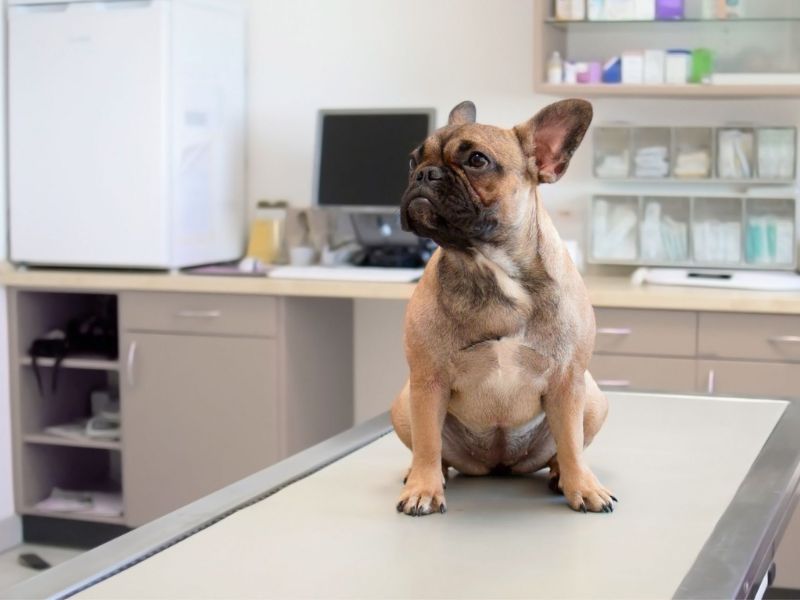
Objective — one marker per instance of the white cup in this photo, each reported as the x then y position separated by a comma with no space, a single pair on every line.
301,256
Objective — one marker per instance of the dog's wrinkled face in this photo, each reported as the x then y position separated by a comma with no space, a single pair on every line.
466,181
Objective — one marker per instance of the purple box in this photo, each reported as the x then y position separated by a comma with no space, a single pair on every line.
669,10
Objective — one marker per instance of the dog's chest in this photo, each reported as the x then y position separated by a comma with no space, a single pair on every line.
498,383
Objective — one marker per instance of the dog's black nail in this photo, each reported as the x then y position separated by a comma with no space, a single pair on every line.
400,506
583,507
610,507
614,498
404,480
442,508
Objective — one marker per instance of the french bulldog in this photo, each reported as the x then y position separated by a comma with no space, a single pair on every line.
499,331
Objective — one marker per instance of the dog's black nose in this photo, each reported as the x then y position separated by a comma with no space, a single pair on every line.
430,174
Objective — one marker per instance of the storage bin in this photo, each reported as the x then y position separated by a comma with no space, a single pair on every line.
693,151
651,152
612,152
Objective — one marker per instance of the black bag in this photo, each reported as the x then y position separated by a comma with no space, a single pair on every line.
95,334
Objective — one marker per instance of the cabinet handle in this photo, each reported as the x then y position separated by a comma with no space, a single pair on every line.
615,330
791,339
199,314
710,382
131,362
614,383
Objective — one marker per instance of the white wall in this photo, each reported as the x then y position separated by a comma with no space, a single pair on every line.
10,532
310,54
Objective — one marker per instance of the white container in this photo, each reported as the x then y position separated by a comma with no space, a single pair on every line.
570,10
595,10
676,66
654,66
645,10
126,129
555,69
633,67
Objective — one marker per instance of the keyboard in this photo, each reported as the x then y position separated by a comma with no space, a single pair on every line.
367,274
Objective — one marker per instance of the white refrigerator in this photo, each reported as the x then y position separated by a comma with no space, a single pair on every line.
126,132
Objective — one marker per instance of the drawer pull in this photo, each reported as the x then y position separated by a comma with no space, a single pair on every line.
790,339
615,330
710,383
199,314
614,383
131,363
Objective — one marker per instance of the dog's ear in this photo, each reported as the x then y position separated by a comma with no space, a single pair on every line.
552,135
462,114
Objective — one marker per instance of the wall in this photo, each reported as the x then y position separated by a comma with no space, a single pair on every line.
10,532
312,54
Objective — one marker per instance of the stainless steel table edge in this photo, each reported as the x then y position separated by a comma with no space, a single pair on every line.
726,567
736,557
105,561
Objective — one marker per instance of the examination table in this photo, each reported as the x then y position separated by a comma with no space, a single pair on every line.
705,488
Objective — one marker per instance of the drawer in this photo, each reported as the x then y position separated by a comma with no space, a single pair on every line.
199,313
638,373
759,337
751,379
654,332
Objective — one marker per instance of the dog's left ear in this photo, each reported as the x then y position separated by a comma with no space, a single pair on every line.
552,135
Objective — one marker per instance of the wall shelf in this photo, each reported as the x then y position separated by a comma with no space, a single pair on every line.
669,91
583,40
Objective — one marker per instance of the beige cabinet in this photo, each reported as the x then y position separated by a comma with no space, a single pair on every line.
749,378
640,373
199,412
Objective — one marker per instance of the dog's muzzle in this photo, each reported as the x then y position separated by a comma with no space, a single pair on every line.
419,213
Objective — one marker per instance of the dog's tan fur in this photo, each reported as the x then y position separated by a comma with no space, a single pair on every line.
499,331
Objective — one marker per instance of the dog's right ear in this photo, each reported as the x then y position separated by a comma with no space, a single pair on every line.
462,114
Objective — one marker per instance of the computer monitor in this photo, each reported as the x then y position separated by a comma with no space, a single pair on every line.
362,156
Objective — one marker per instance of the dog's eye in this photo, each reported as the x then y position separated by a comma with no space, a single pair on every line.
478,161
412,164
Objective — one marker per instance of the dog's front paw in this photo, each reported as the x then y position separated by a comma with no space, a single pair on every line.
584,492
423,493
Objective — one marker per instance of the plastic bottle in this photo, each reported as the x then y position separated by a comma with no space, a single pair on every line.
555,69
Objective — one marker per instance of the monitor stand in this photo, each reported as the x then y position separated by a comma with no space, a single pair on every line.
392,256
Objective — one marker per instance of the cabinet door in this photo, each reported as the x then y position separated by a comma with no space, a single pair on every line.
198,413
752,379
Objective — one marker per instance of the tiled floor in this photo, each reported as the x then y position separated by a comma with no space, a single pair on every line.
11,572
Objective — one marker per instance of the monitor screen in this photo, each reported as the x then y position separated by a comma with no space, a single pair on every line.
363,156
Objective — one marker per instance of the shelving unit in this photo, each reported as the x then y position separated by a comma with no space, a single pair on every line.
732,215
775,31
43,460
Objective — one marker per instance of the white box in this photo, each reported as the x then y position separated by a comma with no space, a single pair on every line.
654,66
632,67
126,132
645,10
676,66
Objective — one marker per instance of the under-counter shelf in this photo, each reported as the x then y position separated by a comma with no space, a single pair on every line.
47,439
94,363
76,516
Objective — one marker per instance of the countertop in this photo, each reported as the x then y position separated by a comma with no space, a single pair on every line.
604,291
